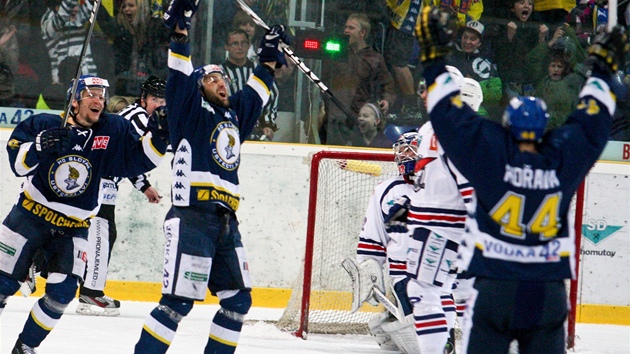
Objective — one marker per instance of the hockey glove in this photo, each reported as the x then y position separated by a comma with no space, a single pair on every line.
433,33
608,51
158,123
396,220
270,49
52,141
179,13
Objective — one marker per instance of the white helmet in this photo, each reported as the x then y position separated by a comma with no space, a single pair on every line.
471,94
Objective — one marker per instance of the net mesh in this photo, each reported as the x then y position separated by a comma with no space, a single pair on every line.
343,190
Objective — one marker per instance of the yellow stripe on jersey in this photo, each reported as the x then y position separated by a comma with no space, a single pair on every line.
180,63
259,86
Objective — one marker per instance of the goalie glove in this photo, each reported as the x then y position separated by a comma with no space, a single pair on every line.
608,51
396,220
434,34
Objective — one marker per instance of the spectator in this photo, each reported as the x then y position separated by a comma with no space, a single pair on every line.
399,51
136,43
370,125
515,41
238,69
362,78
559,82
243,21
54,95
116,104
23,58
463,11
64,32
553,12
9,54
471,63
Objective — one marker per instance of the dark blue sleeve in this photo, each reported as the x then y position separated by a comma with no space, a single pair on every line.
248,102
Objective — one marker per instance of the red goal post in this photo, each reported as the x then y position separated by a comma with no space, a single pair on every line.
341,183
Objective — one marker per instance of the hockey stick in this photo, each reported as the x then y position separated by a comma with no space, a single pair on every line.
86,41
300,64
393,309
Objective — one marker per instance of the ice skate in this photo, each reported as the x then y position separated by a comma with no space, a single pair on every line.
98,306
21,348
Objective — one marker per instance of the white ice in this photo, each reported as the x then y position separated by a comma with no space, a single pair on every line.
76,334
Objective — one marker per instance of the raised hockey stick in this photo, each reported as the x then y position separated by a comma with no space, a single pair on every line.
86,41
300,64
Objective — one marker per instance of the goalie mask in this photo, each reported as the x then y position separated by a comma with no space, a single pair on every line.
406,152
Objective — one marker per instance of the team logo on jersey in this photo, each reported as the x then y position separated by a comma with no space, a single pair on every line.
70,175
226,145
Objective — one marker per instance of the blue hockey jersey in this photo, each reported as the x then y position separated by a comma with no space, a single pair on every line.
521,228
63,190
206,138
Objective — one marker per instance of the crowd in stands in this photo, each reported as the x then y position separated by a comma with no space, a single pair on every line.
512,48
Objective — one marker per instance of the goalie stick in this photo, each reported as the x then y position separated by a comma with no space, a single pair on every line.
298,62
86,41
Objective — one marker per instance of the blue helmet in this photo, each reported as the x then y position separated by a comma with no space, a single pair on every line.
85,82
406,152
526,118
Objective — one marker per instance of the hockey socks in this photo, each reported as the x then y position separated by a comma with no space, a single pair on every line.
42,319
224,332
157,333
161,324
228,321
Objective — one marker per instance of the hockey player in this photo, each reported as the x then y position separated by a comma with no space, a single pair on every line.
438,201
520,243
203,245
102,234
63,167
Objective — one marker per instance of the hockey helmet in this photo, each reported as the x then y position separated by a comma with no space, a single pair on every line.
85,83
154,86
471,93
206,70
526,118
406,152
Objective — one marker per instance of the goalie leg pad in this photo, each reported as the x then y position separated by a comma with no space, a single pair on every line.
403,334
367,275
382,338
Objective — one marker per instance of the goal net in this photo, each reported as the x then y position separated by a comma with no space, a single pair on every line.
341,184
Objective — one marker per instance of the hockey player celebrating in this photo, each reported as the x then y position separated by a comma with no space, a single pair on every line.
102,234
520,243
203,245
63,167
